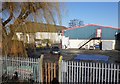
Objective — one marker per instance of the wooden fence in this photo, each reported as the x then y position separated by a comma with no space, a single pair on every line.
89,72
50,71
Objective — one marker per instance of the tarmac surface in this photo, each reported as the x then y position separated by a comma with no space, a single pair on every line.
70,54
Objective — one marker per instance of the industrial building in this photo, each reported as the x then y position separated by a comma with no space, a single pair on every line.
90,36
38,33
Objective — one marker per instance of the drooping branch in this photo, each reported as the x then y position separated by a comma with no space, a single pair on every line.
10,7
8,20
26,11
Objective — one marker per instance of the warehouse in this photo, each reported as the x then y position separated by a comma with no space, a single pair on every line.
90,36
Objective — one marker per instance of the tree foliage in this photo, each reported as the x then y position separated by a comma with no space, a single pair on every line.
75,22
20,12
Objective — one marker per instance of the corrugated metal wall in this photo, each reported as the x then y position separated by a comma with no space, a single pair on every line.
88,32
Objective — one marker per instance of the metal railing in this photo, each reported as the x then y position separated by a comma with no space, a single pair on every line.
26,67
89,72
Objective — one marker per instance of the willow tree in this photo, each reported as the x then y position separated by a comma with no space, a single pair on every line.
19,12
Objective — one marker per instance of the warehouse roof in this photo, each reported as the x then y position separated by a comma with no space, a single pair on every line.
92,25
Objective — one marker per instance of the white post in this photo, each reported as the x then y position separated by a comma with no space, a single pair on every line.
72,71
118,74
111,72
40,68
88,72
67,71
108,73
77,72
93,72
114,72
80,72
85,72
102,71
105,72
69,63
60,61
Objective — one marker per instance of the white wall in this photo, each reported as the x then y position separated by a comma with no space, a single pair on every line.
76,43
111,42
45,35
54,37
65,42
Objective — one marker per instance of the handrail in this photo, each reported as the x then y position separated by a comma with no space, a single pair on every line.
91,36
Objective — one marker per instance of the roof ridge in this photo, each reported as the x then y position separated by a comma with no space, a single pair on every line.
92,25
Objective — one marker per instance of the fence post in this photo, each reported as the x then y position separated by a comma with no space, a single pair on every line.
40,68
60,67
49,73
55,70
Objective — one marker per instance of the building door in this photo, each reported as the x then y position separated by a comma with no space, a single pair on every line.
99,33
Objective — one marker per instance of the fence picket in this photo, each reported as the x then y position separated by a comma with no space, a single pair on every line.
55,70
85,72
111,77
96,76
51,72
88,71
77,72
91,73
46,72
114,73
82,72
105,72
69,71
67,77
99,72
118,73
108,73
72,71
102,72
